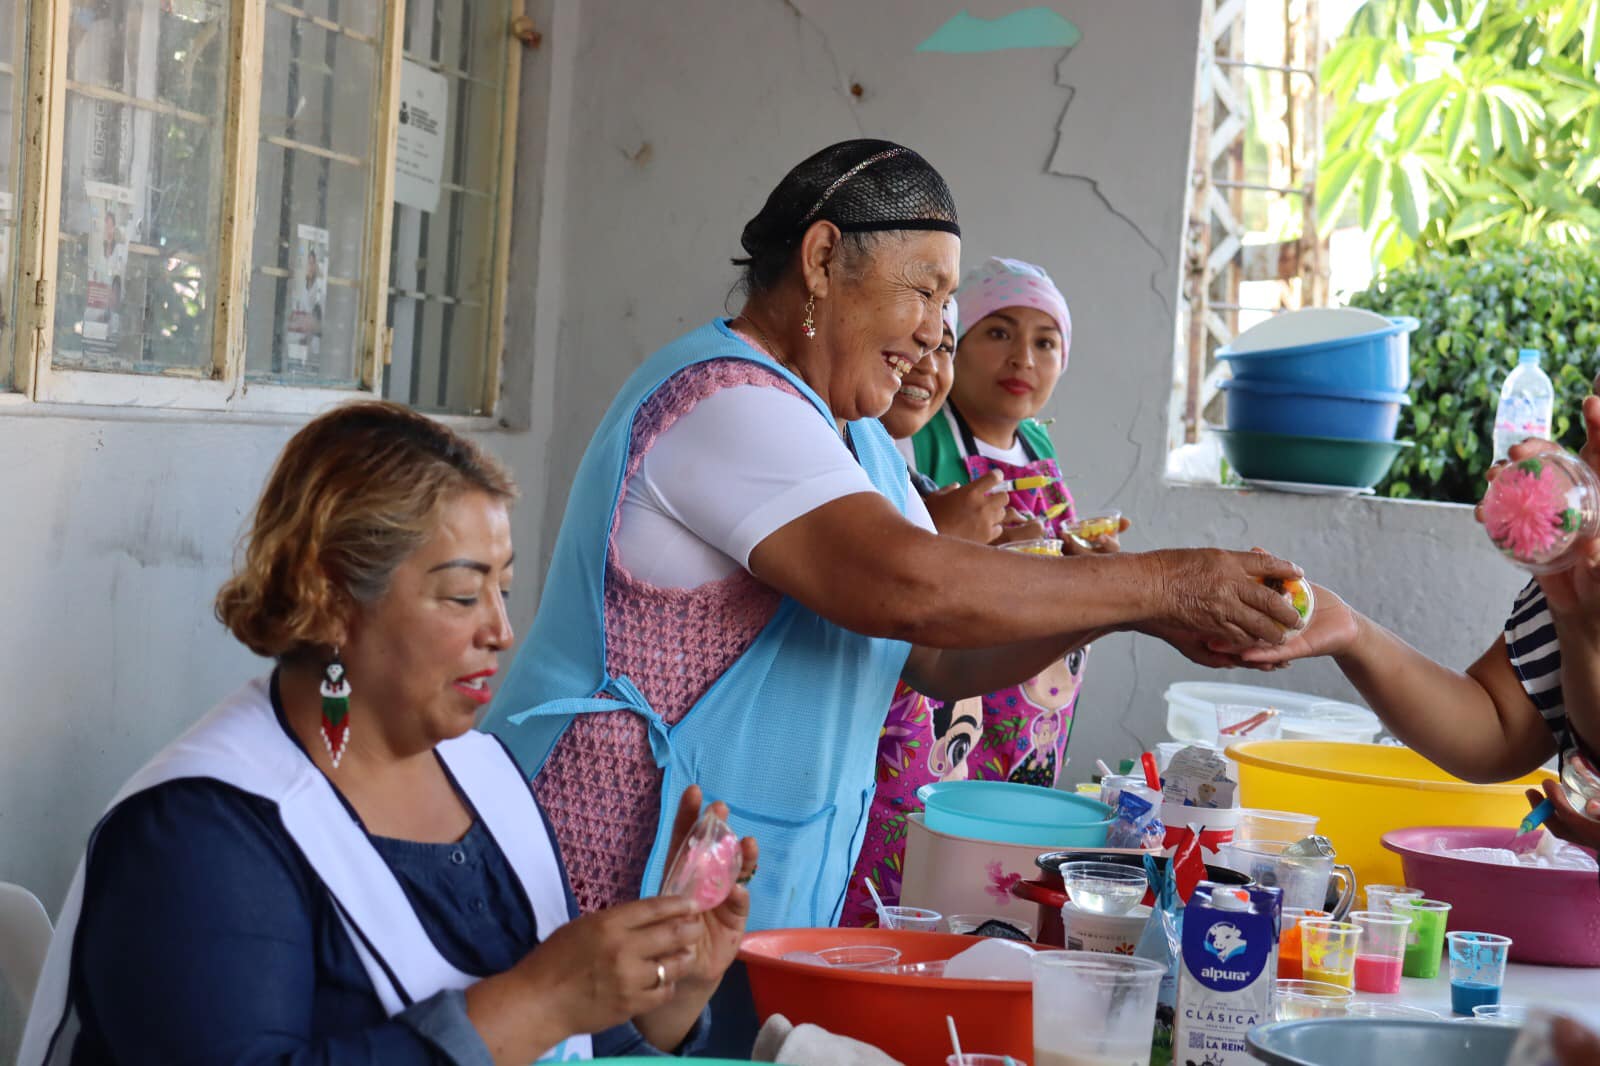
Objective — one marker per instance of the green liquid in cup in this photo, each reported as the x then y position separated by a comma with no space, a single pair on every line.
1425,938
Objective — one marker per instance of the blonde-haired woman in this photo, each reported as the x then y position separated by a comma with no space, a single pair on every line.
331,866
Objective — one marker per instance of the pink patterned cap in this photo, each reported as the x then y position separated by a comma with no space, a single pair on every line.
1001,283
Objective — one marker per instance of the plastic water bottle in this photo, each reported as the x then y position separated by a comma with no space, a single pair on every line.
1527,400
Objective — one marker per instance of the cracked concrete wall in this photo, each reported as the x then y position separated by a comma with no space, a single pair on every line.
1076,161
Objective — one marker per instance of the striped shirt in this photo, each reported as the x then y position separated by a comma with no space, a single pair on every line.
1536,657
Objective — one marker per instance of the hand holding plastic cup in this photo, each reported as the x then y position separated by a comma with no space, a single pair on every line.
1328,950
1425,938
1382,897
1093,1008
1381,957
1477,969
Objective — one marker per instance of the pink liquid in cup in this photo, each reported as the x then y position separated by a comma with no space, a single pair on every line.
1378,973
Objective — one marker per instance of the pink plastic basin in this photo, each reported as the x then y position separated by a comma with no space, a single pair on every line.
1551,916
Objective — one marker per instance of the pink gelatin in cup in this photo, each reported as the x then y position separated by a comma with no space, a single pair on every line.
1378,973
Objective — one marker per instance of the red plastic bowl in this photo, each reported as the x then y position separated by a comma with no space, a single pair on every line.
902,1015
1551,916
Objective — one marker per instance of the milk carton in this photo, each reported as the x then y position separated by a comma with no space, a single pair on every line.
1225,977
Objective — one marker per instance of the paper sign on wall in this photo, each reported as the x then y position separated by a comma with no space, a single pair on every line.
308,293
419,146
110,229
5,244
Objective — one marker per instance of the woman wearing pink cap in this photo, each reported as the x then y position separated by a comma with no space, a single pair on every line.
1006,365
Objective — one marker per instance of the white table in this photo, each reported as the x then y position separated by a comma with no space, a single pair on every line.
1563,989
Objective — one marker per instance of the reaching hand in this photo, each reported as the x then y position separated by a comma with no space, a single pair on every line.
968,512
1565,821
1332,631
1219,595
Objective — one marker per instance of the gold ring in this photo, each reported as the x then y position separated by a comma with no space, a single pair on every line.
661,975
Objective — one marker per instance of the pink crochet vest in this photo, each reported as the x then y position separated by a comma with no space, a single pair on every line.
601,787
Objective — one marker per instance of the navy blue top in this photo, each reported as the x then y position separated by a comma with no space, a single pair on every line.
206,937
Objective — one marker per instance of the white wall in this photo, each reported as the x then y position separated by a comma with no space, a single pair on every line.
650,133
690,112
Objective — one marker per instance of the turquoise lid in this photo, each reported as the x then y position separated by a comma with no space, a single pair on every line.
1528,355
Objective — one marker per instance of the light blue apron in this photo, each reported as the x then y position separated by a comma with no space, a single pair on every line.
786,737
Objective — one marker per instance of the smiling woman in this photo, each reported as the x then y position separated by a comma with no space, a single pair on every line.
332,866
743,571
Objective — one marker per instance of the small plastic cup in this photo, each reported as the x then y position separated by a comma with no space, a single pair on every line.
1328,951
1425,938
1289,943
1089,1007
1104,887
1111,787
1477,969
1295,1000
915,919
1382,897
972,1059
1381,957
1392,1010
873,957
1273,825
967,924
1243,721
1511,1014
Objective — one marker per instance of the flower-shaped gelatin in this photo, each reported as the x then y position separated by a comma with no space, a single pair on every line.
706,864
1535,510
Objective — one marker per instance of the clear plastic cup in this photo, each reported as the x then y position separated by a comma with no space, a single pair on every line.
1501,1014
1328,951
967,924
1425,938
873,957
1295,1000
1041,546
1392,1010
1242,721
1477,969
915,919
971,1059
1382,897
1380,959
1104,887
1273,825
1091,1008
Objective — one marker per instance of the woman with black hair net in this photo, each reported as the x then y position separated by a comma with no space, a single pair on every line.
743,571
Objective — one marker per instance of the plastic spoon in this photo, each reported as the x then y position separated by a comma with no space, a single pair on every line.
877,903
955,1041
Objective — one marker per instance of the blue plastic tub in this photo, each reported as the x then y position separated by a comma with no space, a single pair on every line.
1007,813
1379,361
1267,407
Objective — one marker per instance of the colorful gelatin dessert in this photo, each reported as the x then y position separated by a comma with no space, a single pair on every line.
1103,525
1043,546
706,865
1299,595
1582,783
1536,510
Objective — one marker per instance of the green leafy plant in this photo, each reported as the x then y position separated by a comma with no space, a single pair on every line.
1476,312
1458,123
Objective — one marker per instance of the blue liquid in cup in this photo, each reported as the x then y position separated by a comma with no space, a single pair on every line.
1464,995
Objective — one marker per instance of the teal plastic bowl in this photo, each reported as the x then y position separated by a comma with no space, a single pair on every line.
1343,1041
1358,464
1006,813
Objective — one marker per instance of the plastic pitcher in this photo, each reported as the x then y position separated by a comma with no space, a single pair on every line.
1303,878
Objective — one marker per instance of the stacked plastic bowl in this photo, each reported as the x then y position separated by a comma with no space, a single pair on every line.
1315,399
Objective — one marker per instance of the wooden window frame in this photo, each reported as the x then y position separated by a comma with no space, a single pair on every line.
221,386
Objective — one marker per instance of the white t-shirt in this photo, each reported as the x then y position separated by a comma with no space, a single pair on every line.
1016,455
740,465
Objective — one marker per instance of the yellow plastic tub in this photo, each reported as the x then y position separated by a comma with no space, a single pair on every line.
1361,791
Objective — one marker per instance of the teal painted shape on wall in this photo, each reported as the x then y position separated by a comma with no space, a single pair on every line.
1033,27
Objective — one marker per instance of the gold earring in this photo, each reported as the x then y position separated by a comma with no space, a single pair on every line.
809,327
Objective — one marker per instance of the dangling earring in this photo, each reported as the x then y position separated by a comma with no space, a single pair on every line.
808,327
335,709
